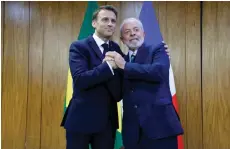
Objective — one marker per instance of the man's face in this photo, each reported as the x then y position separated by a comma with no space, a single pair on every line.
105,23
132,35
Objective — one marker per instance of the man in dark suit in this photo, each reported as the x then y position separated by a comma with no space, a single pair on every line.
91,117
149,118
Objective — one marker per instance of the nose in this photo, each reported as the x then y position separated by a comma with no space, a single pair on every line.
110,23
133,33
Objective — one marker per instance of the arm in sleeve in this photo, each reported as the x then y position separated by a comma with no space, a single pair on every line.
84,78
157,71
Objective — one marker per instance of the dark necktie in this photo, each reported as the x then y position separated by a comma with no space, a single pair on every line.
132,58
106,48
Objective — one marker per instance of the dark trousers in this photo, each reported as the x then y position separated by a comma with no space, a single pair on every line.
144,142
101,140
165,143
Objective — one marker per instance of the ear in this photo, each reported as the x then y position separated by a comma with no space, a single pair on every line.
94,24
121,38
144,34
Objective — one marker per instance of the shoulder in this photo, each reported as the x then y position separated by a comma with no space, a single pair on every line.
116,48
80,43
156,48
80,46
114,45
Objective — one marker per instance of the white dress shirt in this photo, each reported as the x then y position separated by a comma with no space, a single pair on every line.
99,43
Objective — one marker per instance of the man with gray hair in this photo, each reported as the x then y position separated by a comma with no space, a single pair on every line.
149,119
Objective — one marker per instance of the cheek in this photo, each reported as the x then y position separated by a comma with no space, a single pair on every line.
141,34
127,41
114,25
102,26
126,38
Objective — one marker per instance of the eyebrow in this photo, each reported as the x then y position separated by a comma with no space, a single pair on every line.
133,28
107,17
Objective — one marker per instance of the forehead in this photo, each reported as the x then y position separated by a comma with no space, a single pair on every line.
106,13
131,25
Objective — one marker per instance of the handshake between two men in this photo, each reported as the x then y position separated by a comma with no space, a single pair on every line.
115,60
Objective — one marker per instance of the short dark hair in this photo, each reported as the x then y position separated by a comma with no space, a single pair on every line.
105,7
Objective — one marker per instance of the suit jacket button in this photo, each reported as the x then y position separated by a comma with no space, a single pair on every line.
135,106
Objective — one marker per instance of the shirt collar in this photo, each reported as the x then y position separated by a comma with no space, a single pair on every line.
132,52
98,40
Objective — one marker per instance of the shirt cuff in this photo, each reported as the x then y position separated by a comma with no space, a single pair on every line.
110,68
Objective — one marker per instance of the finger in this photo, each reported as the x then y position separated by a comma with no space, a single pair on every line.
166,46
163,41
168,50
111,54
108,59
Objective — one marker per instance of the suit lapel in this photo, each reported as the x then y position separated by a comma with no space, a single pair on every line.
142,54
141,57
95,48
126,57
111,46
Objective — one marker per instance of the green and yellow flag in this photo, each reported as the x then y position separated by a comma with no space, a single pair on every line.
85,31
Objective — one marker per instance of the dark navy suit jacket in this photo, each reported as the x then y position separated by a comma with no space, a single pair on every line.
147,99
95,89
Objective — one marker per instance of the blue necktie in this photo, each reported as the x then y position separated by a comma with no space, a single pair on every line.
132,58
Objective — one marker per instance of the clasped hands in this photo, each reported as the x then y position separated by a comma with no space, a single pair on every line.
115,60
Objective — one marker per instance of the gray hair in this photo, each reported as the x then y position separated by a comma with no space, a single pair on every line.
131,20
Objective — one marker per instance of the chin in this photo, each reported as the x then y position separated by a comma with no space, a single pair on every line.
109,35
132,47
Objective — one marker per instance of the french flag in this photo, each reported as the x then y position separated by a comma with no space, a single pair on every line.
153,36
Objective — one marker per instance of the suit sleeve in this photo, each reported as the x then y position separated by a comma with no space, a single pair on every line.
157,71
84,78
114,85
